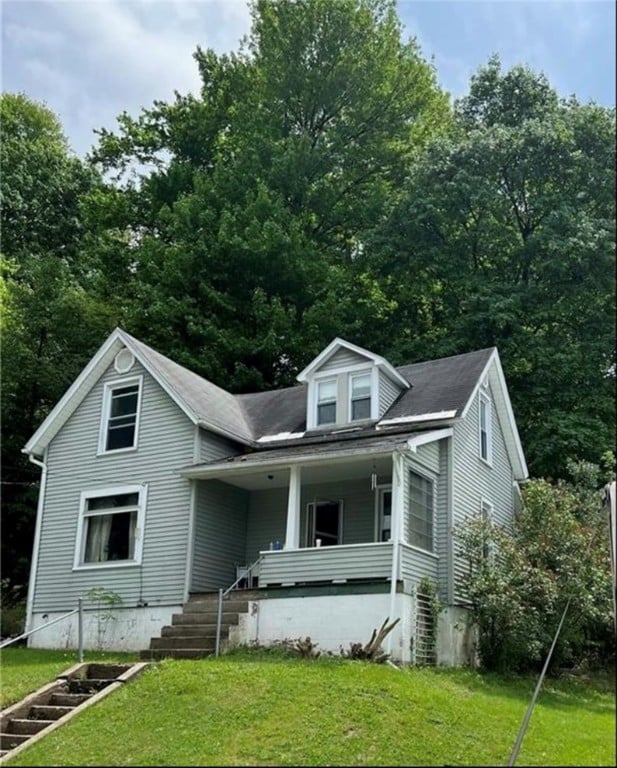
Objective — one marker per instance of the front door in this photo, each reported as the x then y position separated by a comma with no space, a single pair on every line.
324,524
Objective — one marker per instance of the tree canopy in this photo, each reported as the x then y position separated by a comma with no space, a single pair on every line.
505,236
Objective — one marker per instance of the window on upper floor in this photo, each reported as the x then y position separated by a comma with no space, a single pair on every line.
485,429
420,520
326,402
360,396
110,527
120,419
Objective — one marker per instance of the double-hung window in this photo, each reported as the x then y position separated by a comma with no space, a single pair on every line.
360,396
110,529
120,423
485,429
326,402
420,518
486,515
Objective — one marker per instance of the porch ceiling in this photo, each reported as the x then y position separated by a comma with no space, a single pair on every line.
326,472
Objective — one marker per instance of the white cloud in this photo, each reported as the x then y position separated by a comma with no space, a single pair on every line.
101,57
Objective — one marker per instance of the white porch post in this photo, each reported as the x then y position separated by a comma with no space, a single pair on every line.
292,533
398,500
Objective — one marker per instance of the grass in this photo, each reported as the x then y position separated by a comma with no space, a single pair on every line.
263,709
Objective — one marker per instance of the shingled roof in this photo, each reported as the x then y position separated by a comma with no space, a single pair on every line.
439,392
439,385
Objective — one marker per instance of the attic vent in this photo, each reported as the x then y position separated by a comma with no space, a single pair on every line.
124,361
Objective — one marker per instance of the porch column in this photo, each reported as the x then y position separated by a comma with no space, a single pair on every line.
292,533
396,524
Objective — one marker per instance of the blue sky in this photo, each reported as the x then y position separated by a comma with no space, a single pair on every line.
89,60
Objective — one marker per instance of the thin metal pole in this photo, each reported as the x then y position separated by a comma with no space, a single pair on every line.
80,628
525,723
219,618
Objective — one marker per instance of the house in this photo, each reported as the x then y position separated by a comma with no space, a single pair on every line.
345,489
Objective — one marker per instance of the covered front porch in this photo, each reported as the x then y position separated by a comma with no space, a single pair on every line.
330,517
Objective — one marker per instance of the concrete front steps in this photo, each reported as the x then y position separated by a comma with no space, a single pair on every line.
54,704
192,633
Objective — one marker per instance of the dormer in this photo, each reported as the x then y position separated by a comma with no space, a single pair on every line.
348,386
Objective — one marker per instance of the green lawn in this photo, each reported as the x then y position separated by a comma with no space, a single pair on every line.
249,709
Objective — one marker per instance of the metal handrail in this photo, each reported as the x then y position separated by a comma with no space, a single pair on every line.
222,594
80,629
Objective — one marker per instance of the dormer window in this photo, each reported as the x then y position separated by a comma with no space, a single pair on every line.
326,402
347,385
360,396
120,420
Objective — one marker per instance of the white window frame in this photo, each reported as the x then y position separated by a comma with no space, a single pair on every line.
310,520
430,480
108,390
318,383
484,399
372,394
486,513
80,541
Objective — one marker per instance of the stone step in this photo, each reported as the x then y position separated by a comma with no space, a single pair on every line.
68,699
106,671
47,712
86,685
201,606
203,617
12,740
157,643
194,630
27,726
238,594
175,653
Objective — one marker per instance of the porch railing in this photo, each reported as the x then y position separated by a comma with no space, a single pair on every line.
371,560
247,573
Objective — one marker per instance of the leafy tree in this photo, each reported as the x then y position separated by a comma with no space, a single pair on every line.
50,323
505,237
519,582
259,194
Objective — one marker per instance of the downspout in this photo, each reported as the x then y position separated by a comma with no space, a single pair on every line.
396,535
37,537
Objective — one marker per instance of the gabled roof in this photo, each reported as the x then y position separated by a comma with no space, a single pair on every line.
337,344
436,394
203,402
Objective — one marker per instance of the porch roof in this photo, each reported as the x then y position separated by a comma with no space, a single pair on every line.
325,452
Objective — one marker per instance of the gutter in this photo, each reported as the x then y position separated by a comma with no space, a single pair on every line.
37,537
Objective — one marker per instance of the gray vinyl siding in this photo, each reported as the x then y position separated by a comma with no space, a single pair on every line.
368,561
417,565
358,508
388,392
267,513
267,520
213,447
474,480
165,444
342,359
220,534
